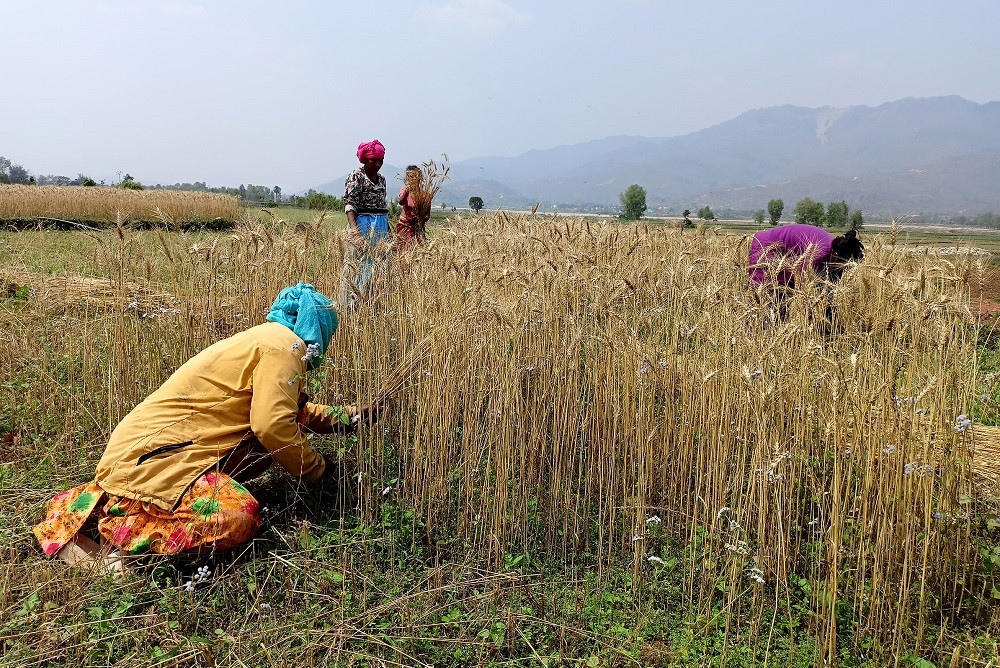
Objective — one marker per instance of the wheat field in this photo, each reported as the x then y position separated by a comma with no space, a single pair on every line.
107,206
614,398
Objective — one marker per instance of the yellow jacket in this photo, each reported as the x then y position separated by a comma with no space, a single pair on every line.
242,387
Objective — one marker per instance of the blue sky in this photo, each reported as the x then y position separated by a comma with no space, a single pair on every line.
247,91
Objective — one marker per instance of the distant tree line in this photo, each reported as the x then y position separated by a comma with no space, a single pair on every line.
263,195
991,220
247,193
13,173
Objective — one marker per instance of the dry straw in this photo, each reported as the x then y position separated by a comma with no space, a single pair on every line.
593,391
426,187
99,204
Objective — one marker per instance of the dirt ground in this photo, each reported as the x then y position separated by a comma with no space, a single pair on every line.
988,303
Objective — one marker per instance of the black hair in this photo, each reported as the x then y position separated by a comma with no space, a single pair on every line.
845,248
409,167
848,247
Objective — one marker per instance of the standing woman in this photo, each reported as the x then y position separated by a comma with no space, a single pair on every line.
411,227
367,219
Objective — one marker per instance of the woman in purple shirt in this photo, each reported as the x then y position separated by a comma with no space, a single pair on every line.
800,248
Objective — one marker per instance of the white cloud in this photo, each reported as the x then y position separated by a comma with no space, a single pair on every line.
474,16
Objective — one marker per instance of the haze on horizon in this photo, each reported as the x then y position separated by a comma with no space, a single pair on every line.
231,92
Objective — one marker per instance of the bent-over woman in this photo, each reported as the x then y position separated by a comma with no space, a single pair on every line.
776,255
169,479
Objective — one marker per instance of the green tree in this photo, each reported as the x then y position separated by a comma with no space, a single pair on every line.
633,202
758,217
476,203
774,209
320,201
277,193
705,213
129,183
836,214
857,221
809,212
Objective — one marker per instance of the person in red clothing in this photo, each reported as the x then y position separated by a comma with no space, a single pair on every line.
411,227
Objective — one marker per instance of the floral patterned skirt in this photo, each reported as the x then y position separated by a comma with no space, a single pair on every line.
216,512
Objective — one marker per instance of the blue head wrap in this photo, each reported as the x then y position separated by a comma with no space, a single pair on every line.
307,313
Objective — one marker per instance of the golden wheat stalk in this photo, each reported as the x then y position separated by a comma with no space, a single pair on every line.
427,186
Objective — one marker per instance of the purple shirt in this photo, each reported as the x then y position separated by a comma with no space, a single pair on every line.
791,242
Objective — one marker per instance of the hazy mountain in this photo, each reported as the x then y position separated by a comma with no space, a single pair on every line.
932,155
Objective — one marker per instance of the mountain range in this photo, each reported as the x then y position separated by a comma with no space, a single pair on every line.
932,156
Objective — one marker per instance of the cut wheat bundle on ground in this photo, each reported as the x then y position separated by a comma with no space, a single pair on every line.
68,291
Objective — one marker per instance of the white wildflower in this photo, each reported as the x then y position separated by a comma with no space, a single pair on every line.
312,350
653,519
962,424
739,547
653,559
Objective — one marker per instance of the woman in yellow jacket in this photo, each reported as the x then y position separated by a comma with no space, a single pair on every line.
169,479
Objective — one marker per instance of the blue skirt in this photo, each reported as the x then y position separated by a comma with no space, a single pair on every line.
373,226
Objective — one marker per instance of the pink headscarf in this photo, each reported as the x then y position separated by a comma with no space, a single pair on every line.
371,149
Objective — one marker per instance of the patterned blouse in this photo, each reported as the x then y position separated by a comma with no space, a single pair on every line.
361,195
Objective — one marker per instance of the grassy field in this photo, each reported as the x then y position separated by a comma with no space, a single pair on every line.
612,453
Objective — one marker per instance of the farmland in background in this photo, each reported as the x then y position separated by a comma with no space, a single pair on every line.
612,452
103,206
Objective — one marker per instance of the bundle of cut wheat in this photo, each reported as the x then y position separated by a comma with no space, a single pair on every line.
986,459
69,290
427,183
